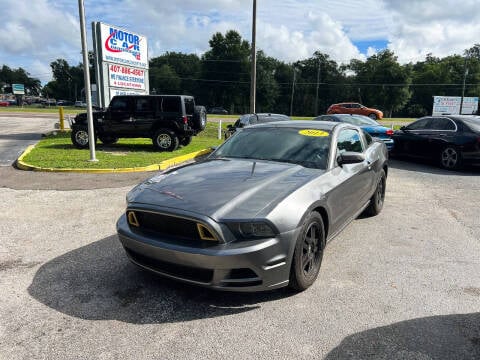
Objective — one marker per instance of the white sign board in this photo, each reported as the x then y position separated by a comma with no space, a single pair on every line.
121,62
18,89
126,77
121,46
450,105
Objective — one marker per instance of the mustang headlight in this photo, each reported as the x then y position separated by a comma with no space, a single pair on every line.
252,230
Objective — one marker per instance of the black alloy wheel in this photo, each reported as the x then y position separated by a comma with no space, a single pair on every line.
450,158
378,197
308,254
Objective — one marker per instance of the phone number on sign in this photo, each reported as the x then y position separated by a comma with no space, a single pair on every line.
126,70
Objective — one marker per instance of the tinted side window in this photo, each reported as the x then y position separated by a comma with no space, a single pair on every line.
441,124
143,104
119,104
349,140
419,124
171,104
189,106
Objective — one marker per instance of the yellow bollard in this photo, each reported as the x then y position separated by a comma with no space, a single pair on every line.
60,113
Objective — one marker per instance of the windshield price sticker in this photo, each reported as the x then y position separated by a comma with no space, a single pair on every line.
313,132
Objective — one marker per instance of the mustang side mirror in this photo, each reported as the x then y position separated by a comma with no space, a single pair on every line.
403,128
350,157
230,127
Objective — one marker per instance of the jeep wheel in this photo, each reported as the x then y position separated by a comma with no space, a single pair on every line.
185,140
80,137
108,140
200,118
165,140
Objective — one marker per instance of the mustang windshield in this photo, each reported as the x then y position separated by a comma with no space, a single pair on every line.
306,147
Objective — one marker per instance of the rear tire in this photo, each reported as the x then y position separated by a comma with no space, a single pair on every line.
165,140
450,158
308,253
378,197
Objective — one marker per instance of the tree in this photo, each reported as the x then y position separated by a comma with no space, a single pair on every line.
226,69
18,76
385,83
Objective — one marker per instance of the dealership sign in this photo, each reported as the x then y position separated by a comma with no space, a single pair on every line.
450,105
18,89
121,62
126,77
123,47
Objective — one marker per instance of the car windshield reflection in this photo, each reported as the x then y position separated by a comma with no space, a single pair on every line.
308,147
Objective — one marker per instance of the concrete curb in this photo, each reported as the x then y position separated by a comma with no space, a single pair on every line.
22,165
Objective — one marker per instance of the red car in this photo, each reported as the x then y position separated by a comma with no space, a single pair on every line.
4,103
355,108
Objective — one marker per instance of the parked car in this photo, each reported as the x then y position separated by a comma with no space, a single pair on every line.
218,110
64,103
372,127
169,120
80,104
451,141
355,108
258,212
252,119
4,103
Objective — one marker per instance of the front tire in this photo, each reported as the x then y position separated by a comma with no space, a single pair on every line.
79,137
450,158
378,197
308,253
373,116
165,140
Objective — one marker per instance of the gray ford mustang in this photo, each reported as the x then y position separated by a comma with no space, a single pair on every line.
258,212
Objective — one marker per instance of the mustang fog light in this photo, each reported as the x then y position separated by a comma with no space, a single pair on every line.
132,219
256,229
205,233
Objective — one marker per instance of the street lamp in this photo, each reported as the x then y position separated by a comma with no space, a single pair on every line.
253,76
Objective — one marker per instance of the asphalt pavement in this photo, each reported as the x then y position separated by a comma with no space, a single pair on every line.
402,285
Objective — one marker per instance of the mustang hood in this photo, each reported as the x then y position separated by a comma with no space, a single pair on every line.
221,189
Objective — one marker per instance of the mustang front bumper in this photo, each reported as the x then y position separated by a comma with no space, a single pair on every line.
247,265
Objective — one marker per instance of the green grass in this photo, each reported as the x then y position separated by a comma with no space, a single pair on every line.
57,151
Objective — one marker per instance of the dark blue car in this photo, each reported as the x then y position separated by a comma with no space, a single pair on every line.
370,126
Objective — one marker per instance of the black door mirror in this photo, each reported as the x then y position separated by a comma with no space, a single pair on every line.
350,157
230,127
403,128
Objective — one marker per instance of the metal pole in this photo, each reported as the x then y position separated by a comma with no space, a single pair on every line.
86,77
253,79
318,84
465,73
293,91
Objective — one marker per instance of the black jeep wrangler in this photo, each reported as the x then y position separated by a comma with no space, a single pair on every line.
169,120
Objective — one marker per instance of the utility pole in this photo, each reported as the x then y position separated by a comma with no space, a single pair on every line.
293,91
253,76
318,84
86,76
465,73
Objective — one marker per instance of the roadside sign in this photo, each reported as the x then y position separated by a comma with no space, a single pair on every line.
18,89
450,105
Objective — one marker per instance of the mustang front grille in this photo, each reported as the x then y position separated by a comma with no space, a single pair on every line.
171,226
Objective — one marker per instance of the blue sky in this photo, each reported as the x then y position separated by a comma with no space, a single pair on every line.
33,33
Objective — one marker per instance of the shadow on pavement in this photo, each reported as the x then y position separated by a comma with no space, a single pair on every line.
427,167
98,282
437,337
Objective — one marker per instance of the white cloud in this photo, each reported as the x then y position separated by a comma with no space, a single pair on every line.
422,27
